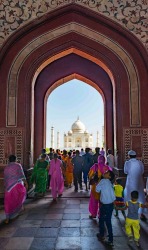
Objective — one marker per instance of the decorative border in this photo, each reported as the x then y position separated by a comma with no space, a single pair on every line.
127,142
17,136
132,15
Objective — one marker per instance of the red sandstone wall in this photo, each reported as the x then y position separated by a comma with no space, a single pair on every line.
69,64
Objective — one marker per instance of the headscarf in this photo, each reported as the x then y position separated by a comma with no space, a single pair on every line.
101,164
101,160
13,173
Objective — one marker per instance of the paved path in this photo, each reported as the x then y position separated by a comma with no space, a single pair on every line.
64,225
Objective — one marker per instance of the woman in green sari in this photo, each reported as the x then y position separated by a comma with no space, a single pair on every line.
40,175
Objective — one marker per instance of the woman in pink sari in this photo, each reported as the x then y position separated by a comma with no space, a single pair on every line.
15,188
57,180
101,168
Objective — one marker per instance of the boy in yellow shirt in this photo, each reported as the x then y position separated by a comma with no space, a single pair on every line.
119,202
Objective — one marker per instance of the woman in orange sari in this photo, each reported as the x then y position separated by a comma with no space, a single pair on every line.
100,168
64,165
69,170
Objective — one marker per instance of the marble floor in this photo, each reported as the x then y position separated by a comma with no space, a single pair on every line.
64,225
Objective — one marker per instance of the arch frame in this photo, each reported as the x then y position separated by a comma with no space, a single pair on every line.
74,17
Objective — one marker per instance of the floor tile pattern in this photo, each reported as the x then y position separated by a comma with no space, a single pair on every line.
62,225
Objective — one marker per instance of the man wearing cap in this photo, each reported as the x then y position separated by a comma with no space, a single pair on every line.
134,181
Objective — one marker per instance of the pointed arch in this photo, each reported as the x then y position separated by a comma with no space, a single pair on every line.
89,38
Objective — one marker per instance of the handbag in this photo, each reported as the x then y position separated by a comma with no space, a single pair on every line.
94,179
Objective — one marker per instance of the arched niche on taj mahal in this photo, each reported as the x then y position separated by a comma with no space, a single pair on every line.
69,44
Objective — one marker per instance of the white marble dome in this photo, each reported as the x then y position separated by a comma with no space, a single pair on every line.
78,127
70,132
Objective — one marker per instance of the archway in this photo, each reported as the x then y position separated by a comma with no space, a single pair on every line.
74,66
72,101
68,37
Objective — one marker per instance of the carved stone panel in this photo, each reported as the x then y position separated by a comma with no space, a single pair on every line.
11,142
136,139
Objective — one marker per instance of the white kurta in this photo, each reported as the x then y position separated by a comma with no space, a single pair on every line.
134,181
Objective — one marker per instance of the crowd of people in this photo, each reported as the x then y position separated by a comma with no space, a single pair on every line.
58,169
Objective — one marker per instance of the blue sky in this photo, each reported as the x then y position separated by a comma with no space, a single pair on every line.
69,101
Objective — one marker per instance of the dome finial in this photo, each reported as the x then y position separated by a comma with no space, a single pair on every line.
78,118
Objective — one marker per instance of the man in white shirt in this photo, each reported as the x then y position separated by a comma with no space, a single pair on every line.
110,159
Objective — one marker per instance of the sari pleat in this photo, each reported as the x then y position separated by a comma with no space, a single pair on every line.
15,192
14,200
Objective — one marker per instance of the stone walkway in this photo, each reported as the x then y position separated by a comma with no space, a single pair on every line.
64,225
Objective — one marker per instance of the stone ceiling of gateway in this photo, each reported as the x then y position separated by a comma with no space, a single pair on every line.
131,14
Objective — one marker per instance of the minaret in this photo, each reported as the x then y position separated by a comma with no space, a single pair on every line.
97,142
102,136
58,140
52,137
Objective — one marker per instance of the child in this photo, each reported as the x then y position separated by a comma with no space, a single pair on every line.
107,198
132,225
119,203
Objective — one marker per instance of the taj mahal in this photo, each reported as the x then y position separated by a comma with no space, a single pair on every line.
77,137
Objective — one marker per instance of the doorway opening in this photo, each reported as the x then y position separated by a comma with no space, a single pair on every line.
75,116
72,67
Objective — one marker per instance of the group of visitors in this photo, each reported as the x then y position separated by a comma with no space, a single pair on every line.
107,193
134,200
